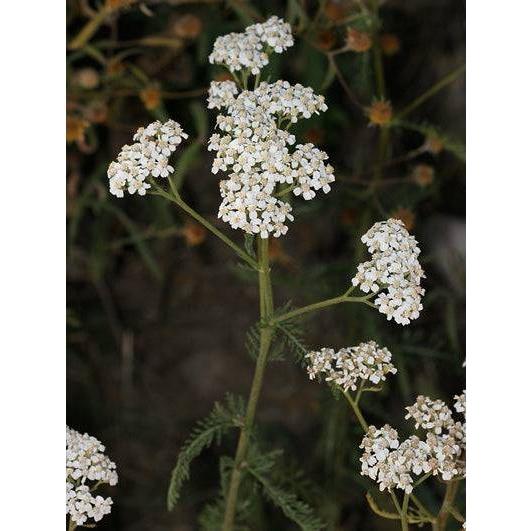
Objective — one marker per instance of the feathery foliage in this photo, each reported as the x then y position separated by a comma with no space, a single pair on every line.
222,418
261,468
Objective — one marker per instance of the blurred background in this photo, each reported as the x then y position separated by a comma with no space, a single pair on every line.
158,309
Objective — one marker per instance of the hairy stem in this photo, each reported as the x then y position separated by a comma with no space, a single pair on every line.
444,513
266,333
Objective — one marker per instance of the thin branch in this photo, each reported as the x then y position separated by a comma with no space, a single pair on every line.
446,80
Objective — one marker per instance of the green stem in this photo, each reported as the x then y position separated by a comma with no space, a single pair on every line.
448,501
356,408
176,198
403,513
446,80
422,508
71,525
324,304
380,88
266,333
89,29
422,479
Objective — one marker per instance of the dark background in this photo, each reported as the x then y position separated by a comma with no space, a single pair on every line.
158,311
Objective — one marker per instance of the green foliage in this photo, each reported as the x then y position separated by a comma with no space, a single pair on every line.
222,418
261,468
287,339
252,340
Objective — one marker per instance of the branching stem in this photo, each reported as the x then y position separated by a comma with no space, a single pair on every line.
266,333
324,304
176,198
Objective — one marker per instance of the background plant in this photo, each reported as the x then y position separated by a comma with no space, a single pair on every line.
122,330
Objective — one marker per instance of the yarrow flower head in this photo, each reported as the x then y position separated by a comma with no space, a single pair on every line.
348,367
390,463
393,464
147,157
258,155
86,466
250,49
394,272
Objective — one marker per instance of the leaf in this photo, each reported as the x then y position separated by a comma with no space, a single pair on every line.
289,337
293,508
252,340
222,418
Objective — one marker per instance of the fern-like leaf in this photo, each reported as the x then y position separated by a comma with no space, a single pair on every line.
260,467
289,337
222,418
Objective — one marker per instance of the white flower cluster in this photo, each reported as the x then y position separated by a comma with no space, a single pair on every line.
393,464
86,462
347,366
148,156
394,267
460,403
249,50
221,94
255,152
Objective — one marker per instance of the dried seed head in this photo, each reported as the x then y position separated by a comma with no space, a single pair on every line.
380,112
193,233
96,112
187,27
390,44
114,66
326,40
422,175
87,78
434,144
151,97
335,10
358,41
75,128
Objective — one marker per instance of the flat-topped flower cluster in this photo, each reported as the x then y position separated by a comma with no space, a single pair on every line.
148,156
86,467
394,464
261,158
258,155
394,271
250,49
349,367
